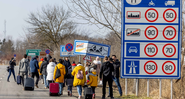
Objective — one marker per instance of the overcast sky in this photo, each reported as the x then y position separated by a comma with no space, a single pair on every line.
15,12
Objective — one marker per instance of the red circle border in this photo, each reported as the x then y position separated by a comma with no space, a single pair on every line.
153,45
172,71
153,37
146,15
169,55
147,71
173,36
171,20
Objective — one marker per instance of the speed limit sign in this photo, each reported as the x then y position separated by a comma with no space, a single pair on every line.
168,67
169,32
151,15
169,50
150,67
169,15
151,50
151,32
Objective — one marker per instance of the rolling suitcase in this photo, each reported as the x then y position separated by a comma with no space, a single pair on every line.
18,80
29,84
53,89
88,93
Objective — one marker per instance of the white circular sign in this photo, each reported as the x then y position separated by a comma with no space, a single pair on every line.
151,50
150,67
169,50
168,67
170,15
133,2
151,32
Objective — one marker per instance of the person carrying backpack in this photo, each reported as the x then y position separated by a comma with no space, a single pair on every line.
43,71
79,78
93,80
11,69
69,81
59,74
24,68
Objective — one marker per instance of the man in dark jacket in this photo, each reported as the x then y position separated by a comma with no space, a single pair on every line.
67,64
116,74
11,69
43,71
34,69
106,70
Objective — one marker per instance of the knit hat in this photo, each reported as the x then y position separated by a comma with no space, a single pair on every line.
41,59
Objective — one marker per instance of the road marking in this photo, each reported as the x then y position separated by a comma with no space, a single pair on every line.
133,32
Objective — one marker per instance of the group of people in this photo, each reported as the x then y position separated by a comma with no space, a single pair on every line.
71,75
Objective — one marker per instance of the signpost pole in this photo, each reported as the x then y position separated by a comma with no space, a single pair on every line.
160,88
79,58
148,88
136,87
171,88
126,86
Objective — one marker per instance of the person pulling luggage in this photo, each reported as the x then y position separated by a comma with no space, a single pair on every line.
24,68
50,71
34,69
59,74
43,71
93,80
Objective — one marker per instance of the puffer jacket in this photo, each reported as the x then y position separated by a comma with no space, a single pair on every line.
39,67
43,67
93,79
62,71
22,69
50,70
34,65
76,80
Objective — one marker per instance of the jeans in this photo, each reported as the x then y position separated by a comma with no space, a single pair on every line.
37,76
116,80
22,78
105,80
60,87
11,71
79,89
45,81
70,88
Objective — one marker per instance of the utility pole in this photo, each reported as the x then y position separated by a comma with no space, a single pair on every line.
4,29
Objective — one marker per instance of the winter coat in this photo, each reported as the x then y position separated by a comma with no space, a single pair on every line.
62,71
116,65
12,64
93,79
69,78
43,67
34,65
39,67
76,80
98,63
50,70
67,64
106,69
22,69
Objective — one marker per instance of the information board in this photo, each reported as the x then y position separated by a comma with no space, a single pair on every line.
151,39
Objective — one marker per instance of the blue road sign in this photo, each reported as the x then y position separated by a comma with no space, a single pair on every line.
88,48
14,55
47,51
151,39
64,52
69,47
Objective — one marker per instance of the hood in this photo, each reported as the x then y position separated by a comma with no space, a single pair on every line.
94,72
24,60
107,63
96,62
52,64
79,65
60,66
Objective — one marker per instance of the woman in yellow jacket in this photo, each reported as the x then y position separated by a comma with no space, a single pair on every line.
60,80
93,80
41,76
79,82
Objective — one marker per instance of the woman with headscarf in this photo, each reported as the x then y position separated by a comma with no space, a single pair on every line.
98,63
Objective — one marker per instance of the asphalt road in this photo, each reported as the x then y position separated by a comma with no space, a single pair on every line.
10,90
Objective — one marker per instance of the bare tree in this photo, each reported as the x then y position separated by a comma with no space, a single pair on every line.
102,13
49,26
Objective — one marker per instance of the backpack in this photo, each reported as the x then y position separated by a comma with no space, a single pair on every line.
58,74
23,68
79,74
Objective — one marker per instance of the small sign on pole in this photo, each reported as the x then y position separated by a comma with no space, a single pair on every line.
47,51
87,58
69,47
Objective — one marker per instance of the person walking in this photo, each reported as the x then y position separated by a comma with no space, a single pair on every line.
43,71
40,74
106,71
115,76
12,63
69,81
79,78
50,71
34,69
60,80
97,62
73,65
93,80
24,68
